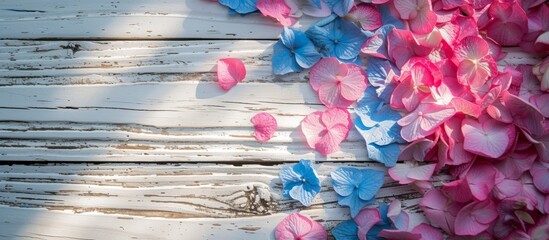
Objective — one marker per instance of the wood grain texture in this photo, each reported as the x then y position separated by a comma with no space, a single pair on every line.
68,200
132,19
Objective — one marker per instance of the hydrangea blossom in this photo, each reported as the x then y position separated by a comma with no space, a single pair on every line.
298,226
325,130
293,52
338,84
337,38
300,182
356,188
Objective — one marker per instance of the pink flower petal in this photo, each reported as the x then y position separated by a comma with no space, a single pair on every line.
488,138
475,218
230,71
458,190
481,179
427,232
525,115
367,15
508,23
299,226
424,120
277,9
265,126
440,211
354,83
410,171
325,71
366,219
399,235
324,131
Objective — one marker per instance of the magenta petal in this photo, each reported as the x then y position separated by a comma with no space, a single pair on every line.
427,232
265,126
481,178
367,15
399,235
475,218
230,71
366,219
324,131
439,210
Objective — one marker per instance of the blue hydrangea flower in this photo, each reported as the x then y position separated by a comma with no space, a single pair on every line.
300,182
356,188
377,123
340,7
240,6
293,52
338,38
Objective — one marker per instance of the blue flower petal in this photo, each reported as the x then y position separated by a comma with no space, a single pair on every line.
367,105
307,56
387,154
370,185
346,180
387,18
284,60
240,6
354,202
340,7
384,129
376,230
300,182
338,38
383,211
346,231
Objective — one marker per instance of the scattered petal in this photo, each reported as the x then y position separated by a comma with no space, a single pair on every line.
230,71
265,126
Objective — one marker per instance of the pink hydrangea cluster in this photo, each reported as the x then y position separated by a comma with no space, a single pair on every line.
431,100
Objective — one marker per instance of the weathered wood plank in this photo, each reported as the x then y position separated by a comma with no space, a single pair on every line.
129,19
110,62
214,198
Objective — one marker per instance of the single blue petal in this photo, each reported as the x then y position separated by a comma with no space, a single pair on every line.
340,7
384,93
367,105
377,71
287,187
304,193
321,40
240,6
346,230
307,56
354,202
372,180
387,154
284,60
305,168
345,180
288,37
349,44
387,18
376,230
383,211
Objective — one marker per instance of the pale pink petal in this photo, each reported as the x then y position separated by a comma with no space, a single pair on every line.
475,218
367,15
507,189
329,143
230,71
481,178
424,22
353,84
541,180
326,70
540,102
440,211
335,116
411,171
516,164
427,232
265,126
524,114
277,9
313,128
330,95
424,120
294,225
488,138
366,219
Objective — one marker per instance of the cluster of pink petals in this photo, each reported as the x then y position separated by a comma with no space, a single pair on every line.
488,128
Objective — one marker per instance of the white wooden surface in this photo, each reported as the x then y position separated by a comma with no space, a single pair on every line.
69,98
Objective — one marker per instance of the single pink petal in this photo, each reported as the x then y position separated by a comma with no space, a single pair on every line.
516,164
399,235
327,70
499,112
410,171
488,138
466,107
417,150
330,95
424,120
400,44
424,22
481,178
277,9
509,17
294,225
265,126
475,218
353,84
427,232
541,180
367,15
524,114
366,219
507,188
335,116
540,102
458,190
329,143
312,128
230,71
